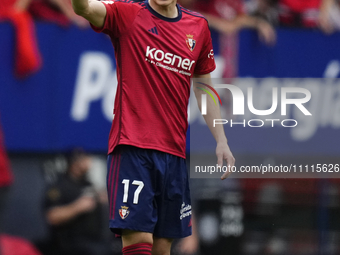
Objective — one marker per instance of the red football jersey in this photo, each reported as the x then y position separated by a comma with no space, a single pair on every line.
156,57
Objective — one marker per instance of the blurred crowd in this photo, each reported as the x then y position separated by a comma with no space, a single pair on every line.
73,207
225,16
323,14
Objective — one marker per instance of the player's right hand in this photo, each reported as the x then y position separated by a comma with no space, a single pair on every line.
223,152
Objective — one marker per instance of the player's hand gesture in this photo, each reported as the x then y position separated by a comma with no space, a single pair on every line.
223,153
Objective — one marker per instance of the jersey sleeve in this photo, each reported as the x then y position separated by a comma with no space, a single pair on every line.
206,62
119,18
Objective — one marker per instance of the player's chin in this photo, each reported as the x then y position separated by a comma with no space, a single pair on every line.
164,2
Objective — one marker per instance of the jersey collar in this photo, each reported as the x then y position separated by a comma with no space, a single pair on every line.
163,17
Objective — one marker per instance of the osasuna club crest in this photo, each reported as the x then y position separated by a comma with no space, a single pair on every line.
124,212
190,42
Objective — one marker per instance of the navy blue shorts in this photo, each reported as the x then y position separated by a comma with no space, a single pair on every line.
148,191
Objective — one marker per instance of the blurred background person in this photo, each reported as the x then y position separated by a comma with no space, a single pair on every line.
9,245
265,9
228,17
299,13
329,16
56,11
27,55
324,14
73,211
21,13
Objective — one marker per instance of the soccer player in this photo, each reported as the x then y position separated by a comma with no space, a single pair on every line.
159,46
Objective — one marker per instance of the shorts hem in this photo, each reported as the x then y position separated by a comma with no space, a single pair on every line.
183,235
118,229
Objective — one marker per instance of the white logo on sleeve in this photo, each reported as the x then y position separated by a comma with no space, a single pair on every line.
211,54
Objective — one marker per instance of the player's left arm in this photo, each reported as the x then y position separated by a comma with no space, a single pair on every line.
223,151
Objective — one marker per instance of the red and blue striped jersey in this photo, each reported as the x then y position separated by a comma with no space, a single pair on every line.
156,57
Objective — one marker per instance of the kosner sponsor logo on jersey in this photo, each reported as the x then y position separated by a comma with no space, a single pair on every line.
168,58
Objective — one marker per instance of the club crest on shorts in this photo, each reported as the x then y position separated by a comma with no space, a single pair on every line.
124,212
190,42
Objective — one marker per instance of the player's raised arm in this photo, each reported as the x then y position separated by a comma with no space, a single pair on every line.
93,11
213,112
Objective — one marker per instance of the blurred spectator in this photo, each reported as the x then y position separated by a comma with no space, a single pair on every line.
74,212
228,17
299,13
56,11
5,173
329,16
310,14
265,9
27,56
27,59
9,245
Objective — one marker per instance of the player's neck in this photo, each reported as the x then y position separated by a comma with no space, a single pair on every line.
169,11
